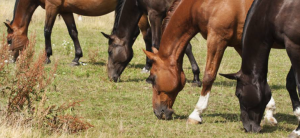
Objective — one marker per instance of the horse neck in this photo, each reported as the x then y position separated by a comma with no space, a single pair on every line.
22,15
127,22
256,50
177,34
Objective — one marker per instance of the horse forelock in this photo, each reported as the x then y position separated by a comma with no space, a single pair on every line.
16,5
170,13
118,12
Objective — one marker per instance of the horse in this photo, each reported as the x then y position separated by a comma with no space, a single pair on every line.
267,23
23,10
124,34
221,25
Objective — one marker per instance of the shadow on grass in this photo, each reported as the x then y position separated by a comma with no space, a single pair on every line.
98,63
136,66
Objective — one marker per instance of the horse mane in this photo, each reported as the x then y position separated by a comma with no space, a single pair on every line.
170,13
16,4
247,20
118,11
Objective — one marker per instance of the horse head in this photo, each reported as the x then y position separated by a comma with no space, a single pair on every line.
253,94
119,55
167,80
15,39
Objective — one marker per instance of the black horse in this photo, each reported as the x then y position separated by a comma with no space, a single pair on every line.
268,22
126,30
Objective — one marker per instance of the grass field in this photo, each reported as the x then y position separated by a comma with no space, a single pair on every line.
124,109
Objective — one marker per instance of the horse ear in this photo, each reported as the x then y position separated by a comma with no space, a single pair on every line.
150,55
106,35
155,51
233,76
8,26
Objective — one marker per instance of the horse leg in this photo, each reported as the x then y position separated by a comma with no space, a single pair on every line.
195,67
216,46
51,12
147,35
70,22
156,22
292,82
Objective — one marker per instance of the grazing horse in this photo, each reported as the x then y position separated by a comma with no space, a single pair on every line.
268,22
221,23
124,34
18,28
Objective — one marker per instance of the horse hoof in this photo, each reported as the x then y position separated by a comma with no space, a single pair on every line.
74,64
294,135
271,121
193,122
145,70
196,84
47,61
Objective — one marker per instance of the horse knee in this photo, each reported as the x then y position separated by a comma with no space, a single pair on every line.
208,79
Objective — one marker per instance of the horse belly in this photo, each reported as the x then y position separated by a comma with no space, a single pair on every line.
89,7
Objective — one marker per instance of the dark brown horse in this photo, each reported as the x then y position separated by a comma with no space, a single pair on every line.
124,34
221,23
268,23
24,9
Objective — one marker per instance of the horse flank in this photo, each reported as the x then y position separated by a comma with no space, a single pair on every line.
170,13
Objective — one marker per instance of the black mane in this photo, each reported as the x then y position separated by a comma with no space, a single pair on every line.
118,11
16,4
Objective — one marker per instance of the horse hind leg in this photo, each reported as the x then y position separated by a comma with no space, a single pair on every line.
51,13
147,36
195,67
70,22
292,81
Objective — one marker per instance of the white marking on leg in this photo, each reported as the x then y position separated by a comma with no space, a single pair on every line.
145,70
297,132
200,107
297,113
270,109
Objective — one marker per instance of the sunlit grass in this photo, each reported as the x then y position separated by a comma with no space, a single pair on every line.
124,109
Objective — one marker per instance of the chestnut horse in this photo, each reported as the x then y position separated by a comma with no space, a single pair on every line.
221,23
268,22
124,34
18,28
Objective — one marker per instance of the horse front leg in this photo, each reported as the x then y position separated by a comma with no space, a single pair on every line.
51,12
216,46
156,22
70,22
147,36
195,67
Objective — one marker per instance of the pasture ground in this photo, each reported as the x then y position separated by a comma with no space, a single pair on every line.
124,109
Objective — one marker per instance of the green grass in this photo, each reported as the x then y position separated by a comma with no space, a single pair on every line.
125,110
